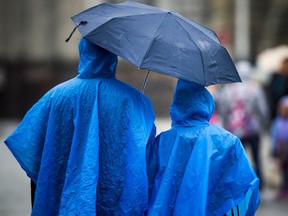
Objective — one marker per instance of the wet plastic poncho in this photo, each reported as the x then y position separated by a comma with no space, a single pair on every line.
200,168
84,142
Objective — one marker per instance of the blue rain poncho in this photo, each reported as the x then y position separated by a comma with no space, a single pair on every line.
198,168
84,142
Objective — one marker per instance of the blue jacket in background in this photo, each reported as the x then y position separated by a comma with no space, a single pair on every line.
84,142
197,168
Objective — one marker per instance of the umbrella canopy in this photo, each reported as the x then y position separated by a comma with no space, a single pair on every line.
158,40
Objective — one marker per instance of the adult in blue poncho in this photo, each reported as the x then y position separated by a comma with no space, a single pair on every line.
84,142
198,168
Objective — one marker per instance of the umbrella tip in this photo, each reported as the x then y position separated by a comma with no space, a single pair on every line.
81,23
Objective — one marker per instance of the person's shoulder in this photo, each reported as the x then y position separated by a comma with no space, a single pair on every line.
66,85
220,139
124,91
131,91
72,80
118,85
61,91
215,131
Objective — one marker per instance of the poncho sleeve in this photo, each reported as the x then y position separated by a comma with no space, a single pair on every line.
27,141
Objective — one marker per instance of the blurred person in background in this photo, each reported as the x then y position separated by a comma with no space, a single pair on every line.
198,168
84,142
278,87
279,138
245,113
216,117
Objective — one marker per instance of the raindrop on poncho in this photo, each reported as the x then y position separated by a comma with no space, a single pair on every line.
84,142
197,168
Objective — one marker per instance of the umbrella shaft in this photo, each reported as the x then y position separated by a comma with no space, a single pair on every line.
145,82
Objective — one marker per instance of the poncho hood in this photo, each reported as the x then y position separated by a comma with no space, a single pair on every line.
191,102
95,61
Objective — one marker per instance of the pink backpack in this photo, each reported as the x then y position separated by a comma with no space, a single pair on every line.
239,120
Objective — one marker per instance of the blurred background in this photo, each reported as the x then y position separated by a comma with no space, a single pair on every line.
34,57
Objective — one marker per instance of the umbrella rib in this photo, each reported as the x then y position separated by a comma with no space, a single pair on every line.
194,43
185,19
150,45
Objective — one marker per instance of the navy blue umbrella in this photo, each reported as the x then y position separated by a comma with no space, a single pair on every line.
158,40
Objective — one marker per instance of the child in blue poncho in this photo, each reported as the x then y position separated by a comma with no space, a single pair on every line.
197,168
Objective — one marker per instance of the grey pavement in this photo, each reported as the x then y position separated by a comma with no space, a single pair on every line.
15,186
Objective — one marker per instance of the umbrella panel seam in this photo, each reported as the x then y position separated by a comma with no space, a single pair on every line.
152,41
195,45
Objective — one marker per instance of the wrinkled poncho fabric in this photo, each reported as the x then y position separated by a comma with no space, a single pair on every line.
84,142
199,168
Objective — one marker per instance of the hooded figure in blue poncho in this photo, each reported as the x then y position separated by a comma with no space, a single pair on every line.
84,142
197,168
